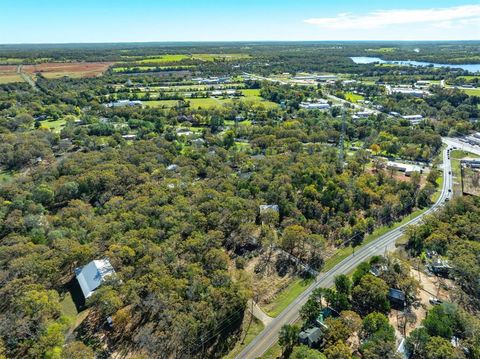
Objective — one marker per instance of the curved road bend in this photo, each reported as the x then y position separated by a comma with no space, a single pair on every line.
269,335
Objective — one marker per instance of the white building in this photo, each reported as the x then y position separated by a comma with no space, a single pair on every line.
124,103
414,119
409,91
91,276
319,105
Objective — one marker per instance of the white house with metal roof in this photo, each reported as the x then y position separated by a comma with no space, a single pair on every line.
92,275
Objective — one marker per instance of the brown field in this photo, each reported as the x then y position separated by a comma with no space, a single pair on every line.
75,69
9,74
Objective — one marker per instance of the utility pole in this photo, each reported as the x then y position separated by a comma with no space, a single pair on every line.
341,145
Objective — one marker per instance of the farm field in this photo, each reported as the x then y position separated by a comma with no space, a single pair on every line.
163,59
52,70
150,68
8,74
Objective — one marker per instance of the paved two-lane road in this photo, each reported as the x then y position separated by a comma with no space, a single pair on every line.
269,335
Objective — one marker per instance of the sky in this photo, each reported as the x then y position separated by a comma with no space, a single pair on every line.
86,21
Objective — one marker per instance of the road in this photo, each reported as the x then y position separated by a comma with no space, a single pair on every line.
455,142
269,335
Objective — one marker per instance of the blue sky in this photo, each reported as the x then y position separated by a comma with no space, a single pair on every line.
55,21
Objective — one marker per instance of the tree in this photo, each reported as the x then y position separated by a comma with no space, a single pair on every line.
370,295
310,310
337,331
376,326
417,342
288,337
343,284
339,350
77,350
304,352
440,348
443,321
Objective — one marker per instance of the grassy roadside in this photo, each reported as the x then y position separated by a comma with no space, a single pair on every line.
286,296
255,328
292,291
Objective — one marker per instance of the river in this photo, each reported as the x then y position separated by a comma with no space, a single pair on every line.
370,60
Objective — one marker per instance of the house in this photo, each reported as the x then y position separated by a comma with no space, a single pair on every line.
440,267
311,337
124,103
396,298
92,275
414,119
129,137
172,167
269,207
319,105
409,92
362,114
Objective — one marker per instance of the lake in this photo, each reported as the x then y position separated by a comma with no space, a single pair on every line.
370,60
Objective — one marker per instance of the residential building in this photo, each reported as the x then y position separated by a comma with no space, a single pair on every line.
92,275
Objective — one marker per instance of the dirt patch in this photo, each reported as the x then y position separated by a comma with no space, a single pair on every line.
267,283
430,287
71,69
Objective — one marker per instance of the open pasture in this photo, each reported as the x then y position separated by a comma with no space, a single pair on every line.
53,70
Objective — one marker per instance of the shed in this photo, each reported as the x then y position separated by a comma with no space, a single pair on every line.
396,298
92,275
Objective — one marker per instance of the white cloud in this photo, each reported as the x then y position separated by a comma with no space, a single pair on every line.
464,15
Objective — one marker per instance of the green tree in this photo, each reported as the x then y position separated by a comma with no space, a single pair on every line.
304,352
370,295
288,337
440,348
339,350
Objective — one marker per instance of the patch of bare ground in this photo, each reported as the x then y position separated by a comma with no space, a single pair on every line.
431,286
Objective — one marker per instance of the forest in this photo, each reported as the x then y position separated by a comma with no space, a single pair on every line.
192,202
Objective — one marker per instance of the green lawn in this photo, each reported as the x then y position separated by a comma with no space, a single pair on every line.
274,352
5,176
54,126
68,307
472,92
255,328
286,296
353,97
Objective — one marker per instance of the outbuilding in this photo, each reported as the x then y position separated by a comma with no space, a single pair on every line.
92,275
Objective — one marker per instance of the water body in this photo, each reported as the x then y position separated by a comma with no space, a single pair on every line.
371,60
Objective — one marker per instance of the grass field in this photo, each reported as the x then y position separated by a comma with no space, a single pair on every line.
226,57
472,92
55,70
353,97
163,59
55,126
456,156
211,102
5,176
8,74
152,68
